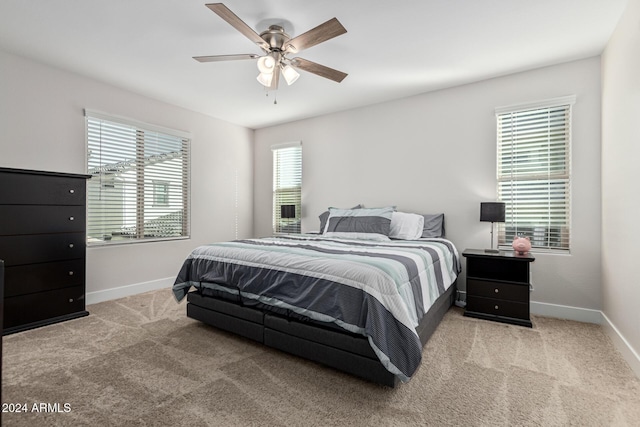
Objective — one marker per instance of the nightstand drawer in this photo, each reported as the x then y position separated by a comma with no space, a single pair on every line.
498,290
497,307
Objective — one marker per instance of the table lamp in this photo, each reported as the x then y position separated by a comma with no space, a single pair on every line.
492,212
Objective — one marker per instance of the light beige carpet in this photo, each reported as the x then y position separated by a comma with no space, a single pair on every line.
141,361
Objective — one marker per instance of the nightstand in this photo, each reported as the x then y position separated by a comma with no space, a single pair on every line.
498,286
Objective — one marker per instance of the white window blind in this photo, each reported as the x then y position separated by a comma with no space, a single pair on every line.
534,173
139,188
287,185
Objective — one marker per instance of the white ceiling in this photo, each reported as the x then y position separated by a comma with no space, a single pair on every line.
392,49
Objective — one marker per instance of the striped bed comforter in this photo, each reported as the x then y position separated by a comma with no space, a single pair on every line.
377,289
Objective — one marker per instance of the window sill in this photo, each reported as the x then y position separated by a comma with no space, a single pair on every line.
91,243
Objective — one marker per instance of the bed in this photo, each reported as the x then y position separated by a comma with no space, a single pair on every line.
365,307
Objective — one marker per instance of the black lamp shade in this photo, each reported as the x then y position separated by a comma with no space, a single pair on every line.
492,211
287,211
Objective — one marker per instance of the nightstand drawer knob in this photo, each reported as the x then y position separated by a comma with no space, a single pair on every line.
70,299
71,245
71,218
72,191
496,307
496,290
71,273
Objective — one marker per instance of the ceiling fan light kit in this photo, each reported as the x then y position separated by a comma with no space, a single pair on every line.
265,79
277,45
266,64
290,74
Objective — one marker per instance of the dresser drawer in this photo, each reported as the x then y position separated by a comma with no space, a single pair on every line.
27,279
16,220
24,309
498,290
497,307
20,250
27,189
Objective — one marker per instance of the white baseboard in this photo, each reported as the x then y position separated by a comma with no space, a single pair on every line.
591,316
125,291
622,345
567,312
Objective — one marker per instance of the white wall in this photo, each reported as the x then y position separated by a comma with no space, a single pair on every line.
436,153
620,194
42,127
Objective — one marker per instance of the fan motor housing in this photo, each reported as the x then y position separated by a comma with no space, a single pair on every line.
275,37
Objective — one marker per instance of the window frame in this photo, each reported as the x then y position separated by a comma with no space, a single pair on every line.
145,189
553,233
293,194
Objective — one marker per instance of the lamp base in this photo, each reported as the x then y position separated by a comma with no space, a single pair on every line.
492,251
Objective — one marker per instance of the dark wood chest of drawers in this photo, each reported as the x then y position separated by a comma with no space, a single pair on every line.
498,286
43,245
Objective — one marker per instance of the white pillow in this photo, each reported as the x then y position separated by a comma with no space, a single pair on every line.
406,226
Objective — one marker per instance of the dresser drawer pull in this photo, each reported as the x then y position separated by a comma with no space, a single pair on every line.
70,299
496,290
71,218
72,191
71,245
71,273
496,307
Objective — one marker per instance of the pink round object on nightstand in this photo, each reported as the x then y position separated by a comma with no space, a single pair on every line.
521,244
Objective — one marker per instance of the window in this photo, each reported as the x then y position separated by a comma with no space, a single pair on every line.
287,185
160,193
534,178
139,186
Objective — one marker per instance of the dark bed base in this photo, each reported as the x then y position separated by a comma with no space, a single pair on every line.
311,340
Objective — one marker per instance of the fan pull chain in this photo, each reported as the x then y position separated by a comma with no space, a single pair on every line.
275,96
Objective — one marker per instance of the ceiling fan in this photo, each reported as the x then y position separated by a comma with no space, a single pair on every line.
277,45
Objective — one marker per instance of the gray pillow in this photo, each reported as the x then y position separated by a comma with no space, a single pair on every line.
433,225
324,215
360,221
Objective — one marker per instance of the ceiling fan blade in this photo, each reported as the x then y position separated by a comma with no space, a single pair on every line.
216,58
323,32
223,12
321,70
